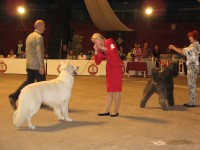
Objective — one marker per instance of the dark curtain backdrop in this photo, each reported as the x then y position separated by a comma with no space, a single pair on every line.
59,33
161,38
161,35
128,38
9,35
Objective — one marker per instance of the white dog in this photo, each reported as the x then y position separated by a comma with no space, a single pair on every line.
55,93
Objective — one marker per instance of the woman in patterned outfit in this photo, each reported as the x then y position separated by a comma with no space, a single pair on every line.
107,49
192,54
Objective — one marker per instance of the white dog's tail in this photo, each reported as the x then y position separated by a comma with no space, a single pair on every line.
20,115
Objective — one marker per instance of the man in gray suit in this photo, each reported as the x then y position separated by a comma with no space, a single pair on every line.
34,60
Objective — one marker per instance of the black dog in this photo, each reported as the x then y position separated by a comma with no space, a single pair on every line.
162,83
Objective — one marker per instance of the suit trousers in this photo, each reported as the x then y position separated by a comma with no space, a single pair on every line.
32,76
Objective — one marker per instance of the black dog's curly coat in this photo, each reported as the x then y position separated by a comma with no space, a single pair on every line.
162,83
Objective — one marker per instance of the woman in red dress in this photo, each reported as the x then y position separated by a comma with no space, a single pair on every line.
106,49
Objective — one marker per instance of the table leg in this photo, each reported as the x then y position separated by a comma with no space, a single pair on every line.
144,74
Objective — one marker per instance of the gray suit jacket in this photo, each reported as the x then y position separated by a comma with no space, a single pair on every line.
34,51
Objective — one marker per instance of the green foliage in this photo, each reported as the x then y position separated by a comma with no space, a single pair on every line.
76,45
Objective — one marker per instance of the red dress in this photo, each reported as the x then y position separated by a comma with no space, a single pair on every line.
113,66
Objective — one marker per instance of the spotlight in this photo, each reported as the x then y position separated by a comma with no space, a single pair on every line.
149,11
21,10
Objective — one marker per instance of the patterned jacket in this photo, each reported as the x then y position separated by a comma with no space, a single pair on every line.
192,53
34,51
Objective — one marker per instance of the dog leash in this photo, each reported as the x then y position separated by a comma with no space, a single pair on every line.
84,67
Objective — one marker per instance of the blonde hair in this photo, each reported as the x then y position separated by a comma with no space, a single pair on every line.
97,35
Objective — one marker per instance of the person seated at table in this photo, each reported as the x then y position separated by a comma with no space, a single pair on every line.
130,56
22,55
146,51
82,56
156,55
122,54
11,54
71,56
137,53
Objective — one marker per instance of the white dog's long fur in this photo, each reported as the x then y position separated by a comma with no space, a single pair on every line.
55,93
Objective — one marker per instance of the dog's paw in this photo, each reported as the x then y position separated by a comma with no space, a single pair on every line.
68,119
163,104
32,127
142,104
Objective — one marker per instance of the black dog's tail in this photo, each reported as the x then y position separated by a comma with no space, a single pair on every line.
155,72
